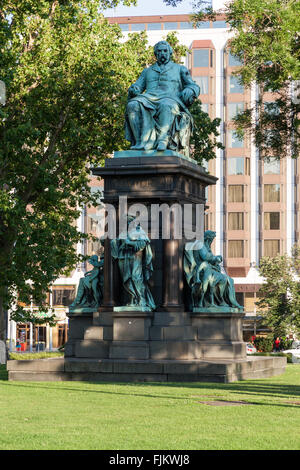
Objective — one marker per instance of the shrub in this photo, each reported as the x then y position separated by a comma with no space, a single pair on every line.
286,343
264,343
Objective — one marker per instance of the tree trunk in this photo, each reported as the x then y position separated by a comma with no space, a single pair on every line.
7,242
3,320
3,325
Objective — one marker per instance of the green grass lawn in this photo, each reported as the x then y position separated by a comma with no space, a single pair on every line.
154,416
39,355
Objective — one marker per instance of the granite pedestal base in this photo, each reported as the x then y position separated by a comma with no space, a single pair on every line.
117,370
162,347
161,335
170,344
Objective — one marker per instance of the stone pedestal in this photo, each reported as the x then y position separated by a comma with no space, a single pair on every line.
131,334
171,343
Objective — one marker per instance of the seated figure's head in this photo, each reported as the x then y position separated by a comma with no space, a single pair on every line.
163,52
93,260
209,235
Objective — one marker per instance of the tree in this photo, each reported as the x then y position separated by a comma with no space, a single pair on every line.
206,130
67,73
266,39
280,293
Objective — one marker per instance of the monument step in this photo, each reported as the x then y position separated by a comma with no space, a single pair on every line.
145,370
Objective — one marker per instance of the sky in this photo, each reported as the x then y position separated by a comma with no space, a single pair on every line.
151,7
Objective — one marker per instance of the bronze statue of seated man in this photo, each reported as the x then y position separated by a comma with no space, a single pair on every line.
157,115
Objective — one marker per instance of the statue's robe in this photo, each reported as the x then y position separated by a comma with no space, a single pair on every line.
156,84
135,264
203,275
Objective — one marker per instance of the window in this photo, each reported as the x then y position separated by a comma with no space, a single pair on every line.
233,61
234,109
269,86
205,107
203,24
235,248
235,221
271,248
208,221
236,166
171,25
247,166
186,25
234,85
234,141
153,26
93,223
271,220
271,108
235,193
203,83
201,58
63,295
249,302
270,137
137,26
99,191
46,301
272,193
124,27
204,164
272,167
219,24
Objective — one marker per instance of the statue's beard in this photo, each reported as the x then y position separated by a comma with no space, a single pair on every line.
163,60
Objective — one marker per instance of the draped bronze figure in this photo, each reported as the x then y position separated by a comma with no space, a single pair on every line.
209,286
90,289
133,253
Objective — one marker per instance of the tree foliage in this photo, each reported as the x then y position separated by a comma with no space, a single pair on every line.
66,73
280,293
265,37
204,140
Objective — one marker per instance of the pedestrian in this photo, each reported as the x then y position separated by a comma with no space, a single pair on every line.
277,344
18,345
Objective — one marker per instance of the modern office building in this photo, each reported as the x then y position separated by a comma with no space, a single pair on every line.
255,205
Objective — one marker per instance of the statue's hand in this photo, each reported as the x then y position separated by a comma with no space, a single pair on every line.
133,91
188,96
